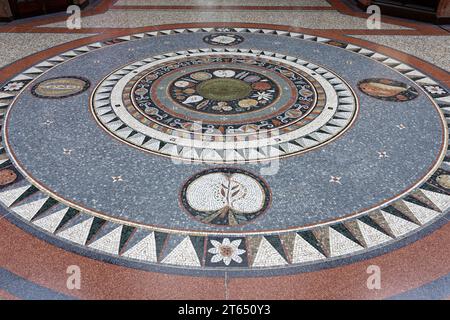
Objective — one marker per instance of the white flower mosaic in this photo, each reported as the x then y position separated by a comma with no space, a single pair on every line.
226,251
435,90
13,86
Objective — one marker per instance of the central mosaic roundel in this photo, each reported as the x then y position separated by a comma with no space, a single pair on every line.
225,107
228,91
224,90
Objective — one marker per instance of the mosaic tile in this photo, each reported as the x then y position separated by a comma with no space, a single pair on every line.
304,252
184,254
52,218
268,256
77,229
398,225
177,142
340,244
31,205
109,239
226,252
142,247
372,236
61,87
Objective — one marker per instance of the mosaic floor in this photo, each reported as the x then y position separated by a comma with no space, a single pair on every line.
228,155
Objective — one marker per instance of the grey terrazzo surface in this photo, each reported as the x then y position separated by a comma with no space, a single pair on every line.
14,46
302,193
434,49
223,2
141,18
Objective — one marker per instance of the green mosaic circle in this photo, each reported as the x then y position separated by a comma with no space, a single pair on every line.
224,89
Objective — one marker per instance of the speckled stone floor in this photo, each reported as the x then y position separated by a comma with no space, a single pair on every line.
423,47
220,149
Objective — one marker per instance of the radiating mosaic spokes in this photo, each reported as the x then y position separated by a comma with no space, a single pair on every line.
401,218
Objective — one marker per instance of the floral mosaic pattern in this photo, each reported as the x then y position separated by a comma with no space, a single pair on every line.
309,123
225,196
226,91
226,252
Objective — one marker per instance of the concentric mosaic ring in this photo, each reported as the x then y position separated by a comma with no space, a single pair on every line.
53,197
224,91
236,120
287,130
209,101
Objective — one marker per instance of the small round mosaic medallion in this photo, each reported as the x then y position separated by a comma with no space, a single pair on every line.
61,87
444,180
225,196
387,89
223,39
7,176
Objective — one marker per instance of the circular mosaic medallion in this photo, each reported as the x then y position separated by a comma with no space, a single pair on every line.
387,89
7,176
223,39
225,196
315,169
60,87
242,107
